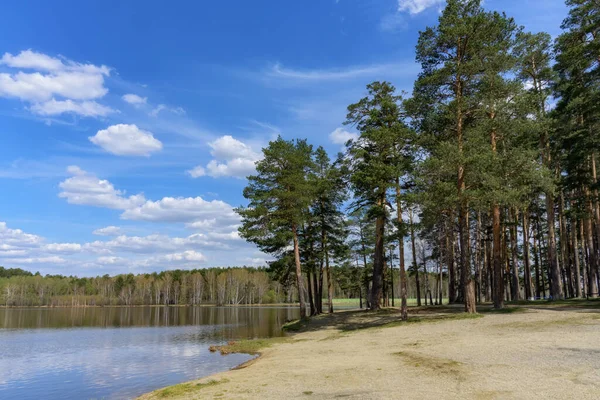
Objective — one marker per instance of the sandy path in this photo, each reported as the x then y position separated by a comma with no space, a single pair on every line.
540,354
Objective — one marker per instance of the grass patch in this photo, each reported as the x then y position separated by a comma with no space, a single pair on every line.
249,346
185,388
307,392
296,325
545,324
435,364
505,310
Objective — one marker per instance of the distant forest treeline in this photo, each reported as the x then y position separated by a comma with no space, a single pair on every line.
221,286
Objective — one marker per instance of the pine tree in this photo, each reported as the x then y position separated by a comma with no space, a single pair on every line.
373,164
279,196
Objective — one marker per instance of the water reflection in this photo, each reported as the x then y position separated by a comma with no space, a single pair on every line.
135,351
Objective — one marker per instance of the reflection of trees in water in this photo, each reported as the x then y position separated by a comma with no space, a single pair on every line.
232,322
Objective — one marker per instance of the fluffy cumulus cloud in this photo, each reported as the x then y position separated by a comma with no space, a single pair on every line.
134,99
126,140
232,158
417,6
108,231
341,136
84,108
12,239
85,188
62,247
54,86
182,209
121,253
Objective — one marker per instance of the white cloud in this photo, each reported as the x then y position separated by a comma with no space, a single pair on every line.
109,260
180,209
84,108
188,255
123,253
17,238
36,87
35,260
417,6
29,59
197,172
86,189
341,136
55,86
278,71
62,247
126,140
161,107
232,158
134,99
108,231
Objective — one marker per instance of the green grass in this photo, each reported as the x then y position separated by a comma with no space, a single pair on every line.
250,346
296,325
185,388
356,302
505,310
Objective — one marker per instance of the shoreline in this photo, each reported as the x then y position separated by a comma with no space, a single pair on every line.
154,305
438,354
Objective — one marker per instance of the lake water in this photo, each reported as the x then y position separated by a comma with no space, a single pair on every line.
120,353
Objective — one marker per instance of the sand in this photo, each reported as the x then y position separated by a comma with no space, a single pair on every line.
538,353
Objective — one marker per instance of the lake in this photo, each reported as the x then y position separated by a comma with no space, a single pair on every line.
121,352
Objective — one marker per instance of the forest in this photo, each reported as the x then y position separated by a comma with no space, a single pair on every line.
479,186
210,286
489,166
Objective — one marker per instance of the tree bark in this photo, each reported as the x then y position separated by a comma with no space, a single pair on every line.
536,260
498,288
313,309
556,290
515,286
565,259
526,257
593,266
299,280
414,256
576,258
330,285
379,256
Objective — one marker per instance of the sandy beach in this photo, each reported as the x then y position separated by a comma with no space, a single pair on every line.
549,353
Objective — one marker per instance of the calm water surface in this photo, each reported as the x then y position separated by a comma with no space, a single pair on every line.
119,353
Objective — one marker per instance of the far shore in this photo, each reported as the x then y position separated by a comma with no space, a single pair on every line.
541,350
157,305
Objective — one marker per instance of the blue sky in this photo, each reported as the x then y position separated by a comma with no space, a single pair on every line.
127,128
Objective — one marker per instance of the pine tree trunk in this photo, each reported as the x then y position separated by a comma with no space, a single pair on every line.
403,280
564,253
556,290
586,261
379,256
414,256
526,256
451,267
498,288
576,258
313,310
299,280
330,285
596,206
593,266
536,260
515,287
478,259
